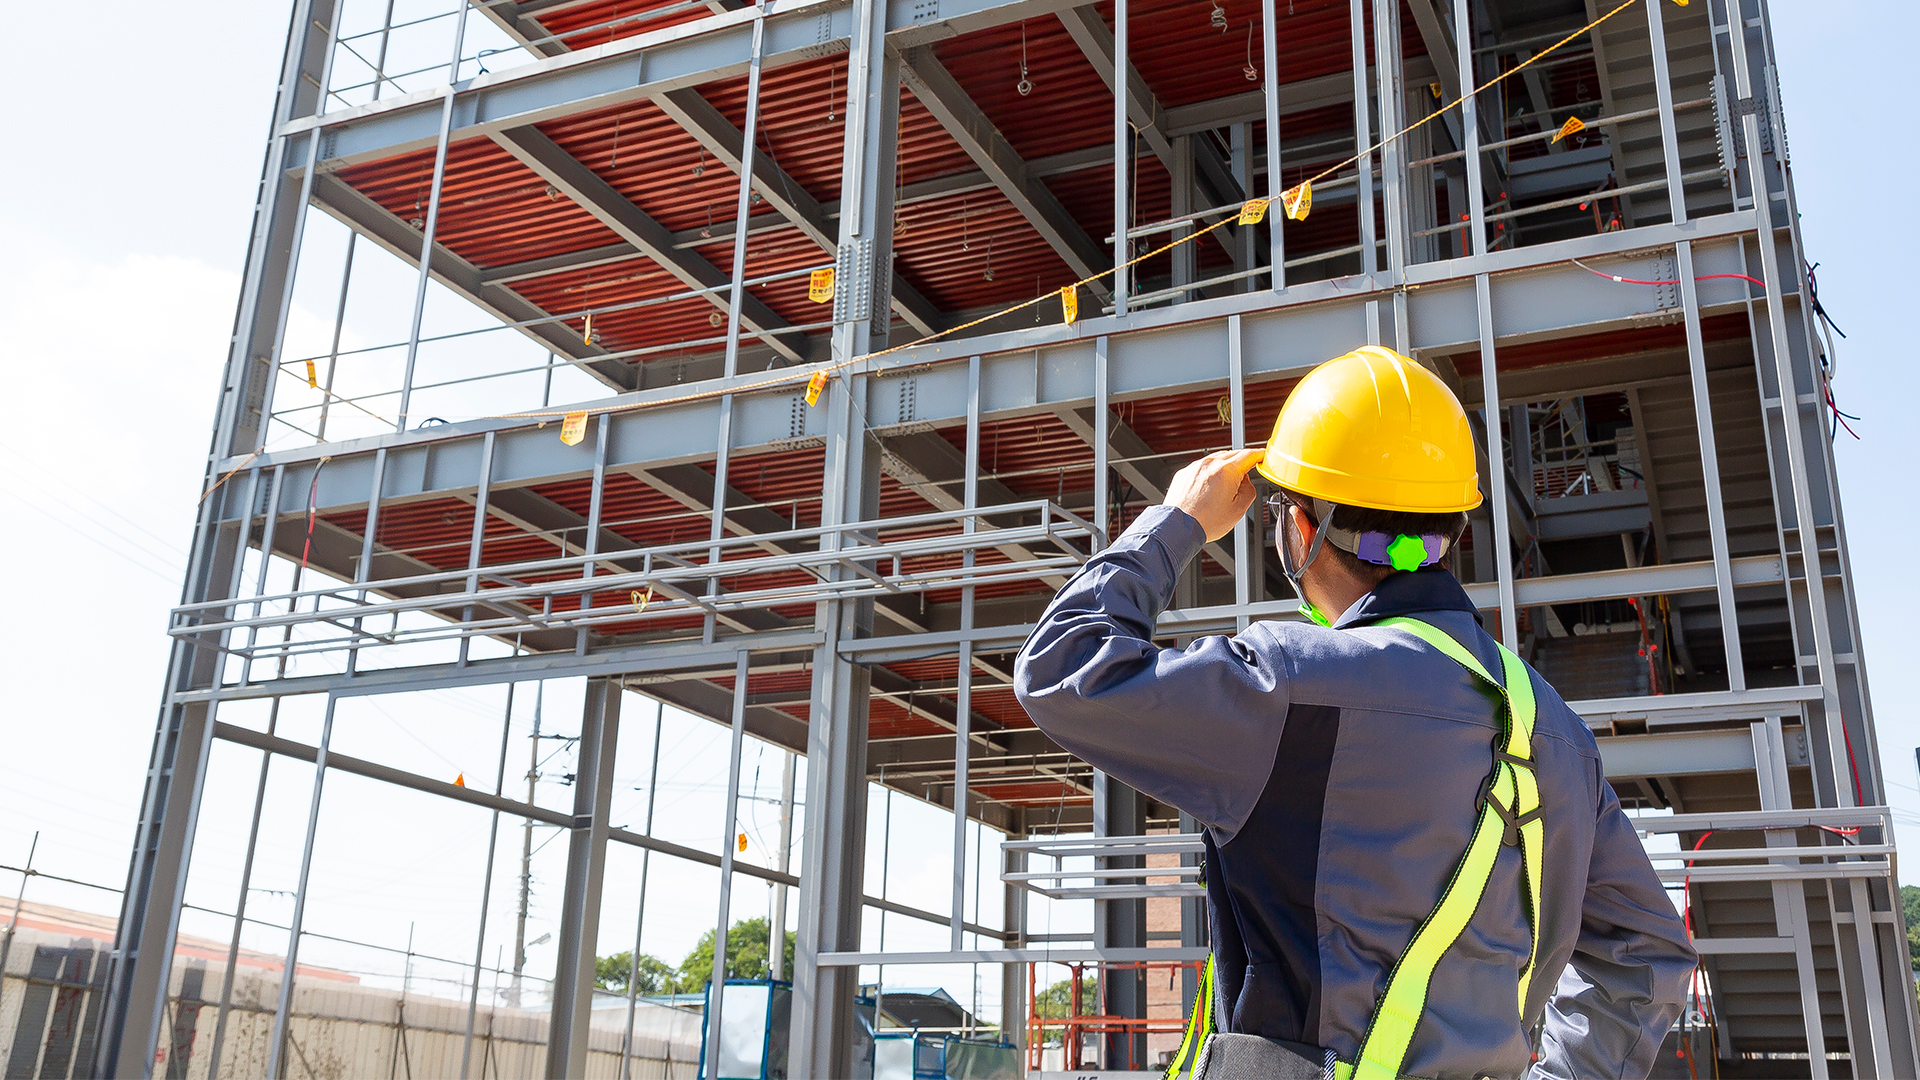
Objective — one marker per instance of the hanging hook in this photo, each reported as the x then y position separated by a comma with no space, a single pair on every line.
988,274
1252,73
1219,18
1025,85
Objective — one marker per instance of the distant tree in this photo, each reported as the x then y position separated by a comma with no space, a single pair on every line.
1055,1002
611,972
746,954
1910,900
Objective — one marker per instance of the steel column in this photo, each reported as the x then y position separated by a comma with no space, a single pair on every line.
433,217
717,985
579,932
1122,158
832,854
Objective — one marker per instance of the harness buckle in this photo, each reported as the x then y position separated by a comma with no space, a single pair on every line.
1510,835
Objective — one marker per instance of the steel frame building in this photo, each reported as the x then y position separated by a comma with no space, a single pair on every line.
853,576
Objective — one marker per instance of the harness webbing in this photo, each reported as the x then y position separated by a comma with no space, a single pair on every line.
1199,1026
1509,813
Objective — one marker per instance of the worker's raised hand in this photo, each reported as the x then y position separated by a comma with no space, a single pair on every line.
1216,490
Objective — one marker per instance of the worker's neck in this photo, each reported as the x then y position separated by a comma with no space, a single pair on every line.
1332,587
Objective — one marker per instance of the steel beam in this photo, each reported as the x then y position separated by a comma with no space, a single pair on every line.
934,87
1214,178
465,279
532,148
700,119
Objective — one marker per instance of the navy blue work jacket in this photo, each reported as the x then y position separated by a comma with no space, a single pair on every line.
1336,773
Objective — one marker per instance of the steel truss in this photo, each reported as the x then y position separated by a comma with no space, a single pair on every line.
1437,291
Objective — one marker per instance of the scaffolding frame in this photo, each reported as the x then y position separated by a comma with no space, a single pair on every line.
1407,294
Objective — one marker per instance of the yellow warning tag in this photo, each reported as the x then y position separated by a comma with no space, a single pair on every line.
1435,87
573,428
743,841
586,332
313,377
820,285
1682,3
1253,212
1298,201
1069,304
814,386
641,599
1572,125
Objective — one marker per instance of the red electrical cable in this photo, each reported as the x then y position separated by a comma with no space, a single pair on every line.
313,495
1637,281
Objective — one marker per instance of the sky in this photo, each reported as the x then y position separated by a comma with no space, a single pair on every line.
124,230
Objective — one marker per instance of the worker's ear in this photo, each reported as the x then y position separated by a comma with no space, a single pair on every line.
1303,527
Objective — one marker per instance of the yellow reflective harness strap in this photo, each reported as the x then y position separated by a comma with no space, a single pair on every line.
1509,812
1199,1026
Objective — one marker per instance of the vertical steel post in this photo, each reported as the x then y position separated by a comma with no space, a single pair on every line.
640,910
717,989
1496,461
1363,139
1669,136
353,236
274,358
1276,180
963,721
1470,126
1122,157
591,543
486,878
1789,897
283,1009
433,217
1483,302
579,932
741,203
1710,467
139,966
834,846
1391,96
777,921
1243,538
483,492
1102,436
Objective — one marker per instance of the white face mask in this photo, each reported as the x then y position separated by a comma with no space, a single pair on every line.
1281,507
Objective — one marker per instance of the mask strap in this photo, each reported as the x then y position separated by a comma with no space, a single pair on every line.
1313,552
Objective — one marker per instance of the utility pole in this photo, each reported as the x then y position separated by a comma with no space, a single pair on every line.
526,852
777,928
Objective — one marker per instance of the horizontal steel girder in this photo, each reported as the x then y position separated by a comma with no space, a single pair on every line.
643,66
1537,295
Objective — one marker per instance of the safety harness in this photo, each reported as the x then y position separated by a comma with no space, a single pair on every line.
1509,814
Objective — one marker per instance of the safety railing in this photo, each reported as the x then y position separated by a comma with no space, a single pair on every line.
1107,882
660,583
1855,842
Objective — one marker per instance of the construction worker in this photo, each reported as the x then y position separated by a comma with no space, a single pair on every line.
1415,866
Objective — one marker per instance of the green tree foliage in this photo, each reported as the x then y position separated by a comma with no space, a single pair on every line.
1910,900
746,959
746,955
656,975
1056,1001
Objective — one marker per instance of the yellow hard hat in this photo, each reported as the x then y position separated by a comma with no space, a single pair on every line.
1375,429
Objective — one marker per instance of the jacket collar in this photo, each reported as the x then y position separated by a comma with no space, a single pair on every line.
1406,593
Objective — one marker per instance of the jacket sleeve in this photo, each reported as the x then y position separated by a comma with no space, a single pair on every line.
1628,977
1195,727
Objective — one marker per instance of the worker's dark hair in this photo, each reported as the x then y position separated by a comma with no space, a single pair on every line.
1364,519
